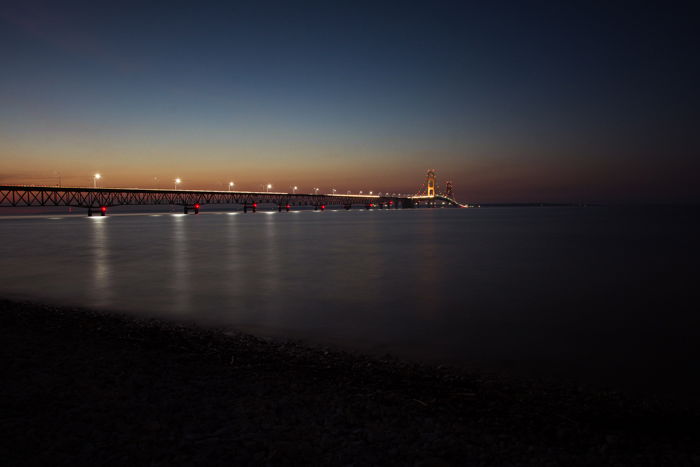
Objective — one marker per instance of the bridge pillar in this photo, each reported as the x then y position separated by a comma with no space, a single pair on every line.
279,208
348,206
288,207
89,212
245,207
185,209
430,182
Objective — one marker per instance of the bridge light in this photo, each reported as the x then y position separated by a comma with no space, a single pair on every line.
255,205
287,206
196,206
323,206
103,209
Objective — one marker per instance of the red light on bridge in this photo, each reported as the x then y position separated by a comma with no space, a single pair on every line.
391,202
103,209
323,206
196,206
255,205
288,206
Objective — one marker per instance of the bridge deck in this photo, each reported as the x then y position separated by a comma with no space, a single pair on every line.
86,197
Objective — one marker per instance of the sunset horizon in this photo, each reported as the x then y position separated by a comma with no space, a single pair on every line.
515,105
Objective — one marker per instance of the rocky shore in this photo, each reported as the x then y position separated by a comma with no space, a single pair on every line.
86,388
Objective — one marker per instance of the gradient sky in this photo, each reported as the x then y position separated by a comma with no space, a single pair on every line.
513,102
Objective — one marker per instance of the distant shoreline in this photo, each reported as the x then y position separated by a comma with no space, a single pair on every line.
84,386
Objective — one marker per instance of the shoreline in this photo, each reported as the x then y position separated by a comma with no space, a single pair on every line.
102,388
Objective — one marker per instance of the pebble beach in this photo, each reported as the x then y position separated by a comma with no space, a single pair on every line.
80,387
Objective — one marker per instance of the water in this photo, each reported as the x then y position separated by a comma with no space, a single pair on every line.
599,295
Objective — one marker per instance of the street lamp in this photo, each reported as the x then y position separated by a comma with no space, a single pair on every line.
294,190
333,190
95,178
348,192
269,185
370,192
230,185
177,182
316,190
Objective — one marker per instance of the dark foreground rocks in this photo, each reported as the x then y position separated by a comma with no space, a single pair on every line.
84,388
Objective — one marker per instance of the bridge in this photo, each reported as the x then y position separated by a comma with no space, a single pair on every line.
98,200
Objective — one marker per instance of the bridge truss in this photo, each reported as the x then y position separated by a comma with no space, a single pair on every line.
103,198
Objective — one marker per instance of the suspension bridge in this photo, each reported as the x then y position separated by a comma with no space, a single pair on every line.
99,200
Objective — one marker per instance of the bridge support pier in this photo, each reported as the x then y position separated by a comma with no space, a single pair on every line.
103,211
195,208
348,206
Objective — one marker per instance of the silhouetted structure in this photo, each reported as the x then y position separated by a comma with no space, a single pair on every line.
99,199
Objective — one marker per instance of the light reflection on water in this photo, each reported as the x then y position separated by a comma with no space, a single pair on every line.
181,272
589,291
100,291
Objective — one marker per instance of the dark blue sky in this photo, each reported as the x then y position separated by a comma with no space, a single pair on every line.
513,101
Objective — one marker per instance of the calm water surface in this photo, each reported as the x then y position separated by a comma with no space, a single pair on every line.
597,294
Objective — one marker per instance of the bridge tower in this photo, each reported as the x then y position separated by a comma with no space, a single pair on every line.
430,183
448,190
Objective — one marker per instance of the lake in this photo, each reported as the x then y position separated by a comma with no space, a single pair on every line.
601,295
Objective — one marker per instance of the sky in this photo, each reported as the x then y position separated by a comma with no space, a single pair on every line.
512,101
